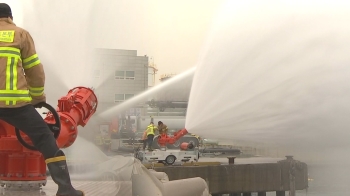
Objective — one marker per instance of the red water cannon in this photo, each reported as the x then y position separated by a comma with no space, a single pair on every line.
21,165
74,109
165,139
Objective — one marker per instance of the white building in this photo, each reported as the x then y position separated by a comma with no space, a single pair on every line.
120,75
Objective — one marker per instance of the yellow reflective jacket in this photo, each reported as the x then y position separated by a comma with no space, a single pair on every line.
150,130
22,75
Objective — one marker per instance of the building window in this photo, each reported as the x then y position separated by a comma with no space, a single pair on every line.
119,75
128,96
127,75
122,97
118,98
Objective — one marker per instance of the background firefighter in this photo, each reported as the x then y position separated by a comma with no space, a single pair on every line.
162,128
148,136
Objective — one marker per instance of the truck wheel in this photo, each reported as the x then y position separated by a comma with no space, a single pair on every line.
170,159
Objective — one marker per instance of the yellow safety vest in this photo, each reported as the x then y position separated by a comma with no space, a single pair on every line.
150,130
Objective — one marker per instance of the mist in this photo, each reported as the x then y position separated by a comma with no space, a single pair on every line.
66,32
61,32
174,89
172,32
271,72
276,73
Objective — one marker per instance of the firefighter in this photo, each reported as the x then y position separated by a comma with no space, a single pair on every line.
22,80
162,128
148,136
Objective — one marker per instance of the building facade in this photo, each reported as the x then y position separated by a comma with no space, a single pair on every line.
120,75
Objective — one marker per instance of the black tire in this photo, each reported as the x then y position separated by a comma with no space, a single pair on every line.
169,160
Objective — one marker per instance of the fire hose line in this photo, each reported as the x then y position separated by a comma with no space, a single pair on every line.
55,128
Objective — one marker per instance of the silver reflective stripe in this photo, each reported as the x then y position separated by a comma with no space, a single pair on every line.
12,77
10,94
14,95
36,91
10,52
31,61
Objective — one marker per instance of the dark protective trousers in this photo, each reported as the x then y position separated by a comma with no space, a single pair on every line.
148,141
28,120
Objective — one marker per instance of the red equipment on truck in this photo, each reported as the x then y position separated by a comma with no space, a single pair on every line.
187,152
165,139
21,166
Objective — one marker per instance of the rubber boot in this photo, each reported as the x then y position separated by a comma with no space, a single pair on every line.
60,175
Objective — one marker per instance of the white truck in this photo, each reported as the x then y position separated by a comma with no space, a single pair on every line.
168,157
188,152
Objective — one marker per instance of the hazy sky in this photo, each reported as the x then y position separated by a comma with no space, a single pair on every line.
172,32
